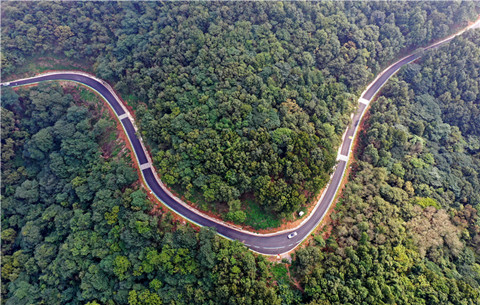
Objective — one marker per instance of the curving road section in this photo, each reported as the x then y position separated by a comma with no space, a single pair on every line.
269,244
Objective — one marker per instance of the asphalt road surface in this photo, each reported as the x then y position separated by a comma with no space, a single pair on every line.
270,244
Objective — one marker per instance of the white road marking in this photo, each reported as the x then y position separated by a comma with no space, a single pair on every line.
144,166
364,101
342,158
121,117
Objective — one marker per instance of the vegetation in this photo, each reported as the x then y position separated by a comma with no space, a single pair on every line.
407,230
75,230
239,100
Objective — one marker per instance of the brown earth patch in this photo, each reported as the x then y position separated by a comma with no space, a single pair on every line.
293,280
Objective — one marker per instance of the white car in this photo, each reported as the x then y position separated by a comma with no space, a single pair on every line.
292,235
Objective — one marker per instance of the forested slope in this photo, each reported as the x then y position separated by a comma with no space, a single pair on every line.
237,100
75,230
407,230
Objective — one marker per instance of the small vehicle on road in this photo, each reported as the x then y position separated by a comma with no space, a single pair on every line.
292,235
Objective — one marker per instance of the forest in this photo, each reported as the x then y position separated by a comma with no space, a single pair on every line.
244,100
76,228
241,101
407,229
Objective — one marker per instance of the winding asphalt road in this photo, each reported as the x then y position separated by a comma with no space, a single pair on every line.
269,244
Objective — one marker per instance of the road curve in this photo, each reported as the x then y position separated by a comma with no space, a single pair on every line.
269,244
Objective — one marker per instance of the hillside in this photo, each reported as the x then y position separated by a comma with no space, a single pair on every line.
243,105
243,100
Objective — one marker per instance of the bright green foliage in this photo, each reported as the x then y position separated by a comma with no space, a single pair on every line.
145,297
426,202
120,266
237,216
112,217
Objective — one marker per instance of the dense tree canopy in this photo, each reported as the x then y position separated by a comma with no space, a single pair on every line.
75,230
407,228
240,99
